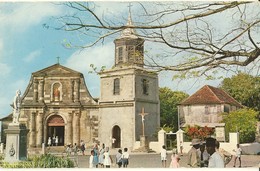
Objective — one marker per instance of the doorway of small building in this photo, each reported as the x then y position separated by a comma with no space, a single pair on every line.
116,137
55,130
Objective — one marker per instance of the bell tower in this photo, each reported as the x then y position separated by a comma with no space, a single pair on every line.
129,48
125,90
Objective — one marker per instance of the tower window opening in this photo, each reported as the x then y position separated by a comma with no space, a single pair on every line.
120,54
145,86
116,86
131,51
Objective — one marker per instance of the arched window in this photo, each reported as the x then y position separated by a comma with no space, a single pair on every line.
116,86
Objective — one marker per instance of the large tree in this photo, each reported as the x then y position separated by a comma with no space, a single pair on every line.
168,107
197,38
242,121
244,88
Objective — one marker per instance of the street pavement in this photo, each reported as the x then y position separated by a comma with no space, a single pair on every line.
152,160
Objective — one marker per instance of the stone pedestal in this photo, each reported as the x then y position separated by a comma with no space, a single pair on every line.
16,143
144,143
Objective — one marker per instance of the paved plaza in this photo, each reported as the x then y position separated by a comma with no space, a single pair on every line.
152,160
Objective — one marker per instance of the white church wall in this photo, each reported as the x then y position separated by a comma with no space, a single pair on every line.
126,86
121,116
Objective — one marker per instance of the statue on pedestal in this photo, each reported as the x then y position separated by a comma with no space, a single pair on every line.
16,107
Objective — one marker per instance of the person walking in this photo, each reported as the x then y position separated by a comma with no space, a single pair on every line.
215,160
125,158
75,149
101,155
204,155
119,158
238,151
181,148
91,158
56,140
49,141
174,159
82,147
163,156
193,157
96,154
107,158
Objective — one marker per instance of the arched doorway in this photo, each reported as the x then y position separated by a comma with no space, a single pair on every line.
116,137
55,130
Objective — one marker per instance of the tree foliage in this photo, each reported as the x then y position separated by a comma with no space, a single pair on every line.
168,107
244,121
244,88
197,38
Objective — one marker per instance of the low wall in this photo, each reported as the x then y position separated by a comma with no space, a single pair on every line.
155,147
252,148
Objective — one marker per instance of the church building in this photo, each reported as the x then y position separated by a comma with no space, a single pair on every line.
57,103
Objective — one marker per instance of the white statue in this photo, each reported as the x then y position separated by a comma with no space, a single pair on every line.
16,107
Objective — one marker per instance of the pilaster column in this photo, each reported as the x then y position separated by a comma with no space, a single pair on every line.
35,91
41,91
76,127
69,129
76,90
32,138
72,91
39,126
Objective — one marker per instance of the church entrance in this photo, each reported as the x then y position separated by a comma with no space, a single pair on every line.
116,137
55,130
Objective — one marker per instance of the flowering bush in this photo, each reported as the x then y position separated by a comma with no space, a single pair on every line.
199,132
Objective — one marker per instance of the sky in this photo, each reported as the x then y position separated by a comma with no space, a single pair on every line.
27,45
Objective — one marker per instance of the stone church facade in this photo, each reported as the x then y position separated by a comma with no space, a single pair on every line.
57,101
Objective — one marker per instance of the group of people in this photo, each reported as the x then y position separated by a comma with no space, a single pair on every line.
101,157
174,158
203,154
74,149
53,141
208,154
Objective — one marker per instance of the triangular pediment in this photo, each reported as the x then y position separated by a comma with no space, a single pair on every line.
56,70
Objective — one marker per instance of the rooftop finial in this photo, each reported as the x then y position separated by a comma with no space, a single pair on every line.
129,32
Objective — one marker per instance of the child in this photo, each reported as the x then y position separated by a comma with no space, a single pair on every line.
163,156
119,158
125,158
238,155
91,158
174,159
107,158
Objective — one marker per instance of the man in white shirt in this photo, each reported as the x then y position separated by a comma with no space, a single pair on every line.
215,160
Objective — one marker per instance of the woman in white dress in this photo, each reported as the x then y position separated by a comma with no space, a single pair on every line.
107,158
101,155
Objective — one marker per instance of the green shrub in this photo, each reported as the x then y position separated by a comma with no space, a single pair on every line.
43,161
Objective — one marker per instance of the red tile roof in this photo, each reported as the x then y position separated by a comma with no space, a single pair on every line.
210,95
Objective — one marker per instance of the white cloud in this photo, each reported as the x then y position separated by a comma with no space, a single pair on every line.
98,56
33,55
4,69
20,16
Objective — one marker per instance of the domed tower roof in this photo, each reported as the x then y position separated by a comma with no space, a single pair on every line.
129,48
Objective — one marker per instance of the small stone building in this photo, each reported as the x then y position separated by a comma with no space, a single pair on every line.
204,106
57,103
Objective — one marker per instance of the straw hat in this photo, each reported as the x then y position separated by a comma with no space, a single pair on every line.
195,142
